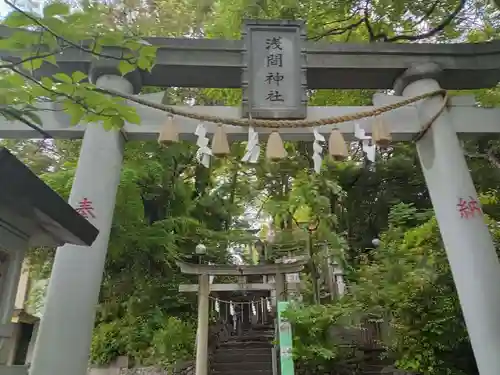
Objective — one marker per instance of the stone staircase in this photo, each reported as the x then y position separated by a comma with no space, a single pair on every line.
372,369
374,363
249,353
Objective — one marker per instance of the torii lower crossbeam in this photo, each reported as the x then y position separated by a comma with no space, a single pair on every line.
183,288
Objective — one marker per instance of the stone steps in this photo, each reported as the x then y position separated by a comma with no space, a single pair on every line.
250,366
242,355
241,371
247,354
250,344
374,366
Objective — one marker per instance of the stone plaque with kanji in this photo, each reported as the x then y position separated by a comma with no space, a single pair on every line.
274,73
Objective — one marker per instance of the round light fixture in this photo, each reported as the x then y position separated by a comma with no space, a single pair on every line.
201,249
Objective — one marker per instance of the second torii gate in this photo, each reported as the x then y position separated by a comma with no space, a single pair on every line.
204,288
410,70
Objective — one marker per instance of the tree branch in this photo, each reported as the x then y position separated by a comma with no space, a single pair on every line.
366,21
447,21
373,37
11,65
428,13
75,100
10,112
338,31
68,42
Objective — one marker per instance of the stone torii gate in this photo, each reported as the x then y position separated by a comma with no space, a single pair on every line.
410,70
204,288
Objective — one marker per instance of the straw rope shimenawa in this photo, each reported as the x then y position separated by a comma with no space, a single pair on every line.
256,301
279,124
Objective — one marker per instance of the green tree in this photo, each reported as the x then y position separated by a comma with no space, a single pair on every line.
167,203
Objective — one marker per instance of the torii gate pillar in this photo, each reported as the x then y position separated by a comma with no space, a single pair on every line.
64,338
202,329
469,247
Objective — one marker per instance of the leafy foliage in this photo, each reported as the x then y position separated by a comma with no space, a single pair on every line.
317,347
167,203
409,282
149,340
37,39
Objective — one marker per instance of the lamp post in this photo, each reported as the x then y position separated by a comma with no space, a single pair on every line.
200,250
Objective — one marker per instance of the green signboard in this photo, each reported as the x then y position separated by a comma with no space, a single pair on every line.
286,341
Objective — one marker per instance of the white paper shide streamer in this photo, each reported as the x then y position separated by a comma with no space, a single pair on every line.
366,140
268,305
204,152
317,149
253,149
211,278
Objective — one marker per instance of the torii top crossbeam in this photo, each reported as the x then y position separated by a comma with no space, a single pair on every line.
240,270
217,63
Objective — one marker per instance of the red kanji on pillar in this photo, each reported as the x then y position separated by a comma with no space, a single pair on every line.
468,208
85,208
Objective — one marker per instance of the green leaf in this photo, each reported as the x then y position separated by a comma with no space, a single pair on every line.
40,91
59,27
130,115
117,122
144,63
107,124
78,76
91,117
66,88
56,9
32,63
47,82
19,40
76,113
51,59
18,19
147,57
125,67
96,48
63,77
7,43
16,80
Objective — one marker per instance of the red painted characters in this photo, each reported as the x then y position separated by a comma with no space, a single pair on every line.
85,209
468,208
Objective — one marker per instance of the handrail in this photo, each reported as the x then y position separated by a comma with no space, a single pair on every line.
219,332
275,349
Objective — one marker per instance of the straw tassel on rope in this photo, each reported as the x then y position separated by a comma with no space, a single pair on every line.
337,147
168,133
220,145
275,149
381,134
